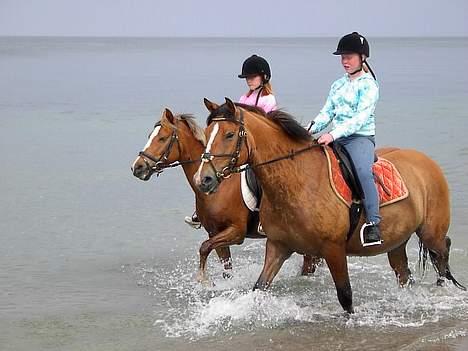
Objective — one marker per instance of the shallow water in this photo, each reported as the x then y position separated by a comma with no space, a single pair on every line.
93,258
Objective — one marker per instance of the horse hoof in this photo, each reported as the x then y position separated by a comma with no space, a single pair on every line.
203,279
206,282
307,272
408,283
227,275
440,282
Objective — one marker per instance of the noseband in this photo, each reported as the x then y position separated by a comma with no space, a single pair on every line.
161,163
230,168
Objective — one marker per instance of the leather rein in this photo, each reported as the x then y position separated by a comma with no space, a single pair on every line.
231,167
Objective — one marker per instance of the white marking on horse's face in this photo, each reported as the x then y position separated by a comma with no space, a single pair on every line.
152,136
212,137
215,130
148,143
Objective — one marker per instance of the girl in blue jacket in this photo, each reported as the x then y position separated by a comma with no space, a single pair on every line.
350,108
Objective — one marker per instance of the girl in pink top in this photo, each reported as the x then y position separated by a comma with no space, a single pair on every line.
257,74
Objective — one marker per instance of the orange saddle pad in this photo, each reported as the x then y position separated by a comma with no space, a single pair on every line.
390,184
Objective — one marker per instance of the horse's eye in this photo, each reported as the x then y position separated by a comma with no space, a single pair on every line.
161,139
229,135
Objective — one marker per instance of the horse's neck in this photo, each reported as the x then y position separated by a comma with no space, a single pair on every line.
304,172
191,150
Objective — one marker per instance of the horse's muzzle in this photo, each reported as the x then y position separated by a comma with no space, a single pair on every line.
208,184
142,172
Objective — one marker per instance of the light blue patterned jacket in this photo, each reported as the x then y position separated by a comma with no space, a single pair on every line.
350,106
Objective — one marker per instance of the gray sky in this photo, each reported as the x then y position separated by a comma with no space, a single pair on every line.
233,18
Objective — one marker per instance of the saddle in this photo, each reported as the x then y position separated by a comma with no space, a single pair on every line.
390,185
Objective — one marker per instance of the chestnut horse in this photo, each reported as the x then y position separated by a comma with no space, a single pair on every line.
299,209
178,140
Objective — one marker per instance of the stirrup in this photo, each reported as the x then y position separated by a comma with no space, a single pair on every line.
260,229
361,235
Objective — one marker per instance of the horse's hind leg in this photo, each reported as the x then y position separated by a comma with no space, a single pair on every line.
275,255
399,262
439,249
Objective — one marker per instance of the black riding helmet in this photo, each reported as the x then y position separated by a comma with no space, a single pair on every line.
256,65
353,43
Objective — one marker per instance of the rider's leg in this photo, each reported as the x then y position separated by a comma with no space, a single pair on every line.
361,149
193,220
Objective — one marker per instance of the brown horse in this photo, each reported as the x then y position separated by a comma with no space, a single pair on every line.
299,209
178,140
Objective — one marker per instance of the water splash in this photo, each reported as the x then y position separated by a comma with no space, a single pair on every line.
229,306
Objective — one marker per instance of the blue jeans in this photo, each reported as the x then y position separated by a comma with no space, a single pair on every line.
361,149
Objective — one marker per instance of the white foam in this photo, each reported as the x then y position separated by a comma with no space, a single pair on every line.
230,307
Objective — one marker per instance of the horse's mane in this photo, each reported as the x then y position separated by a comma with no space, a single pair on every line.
289,124
282,119
197,131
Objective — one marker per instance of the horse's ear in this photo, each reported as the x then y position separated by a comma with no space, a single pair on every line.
167,114
230,105
211,106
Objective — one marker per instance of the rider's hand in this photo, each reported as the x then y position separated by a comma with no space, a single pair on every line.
325,139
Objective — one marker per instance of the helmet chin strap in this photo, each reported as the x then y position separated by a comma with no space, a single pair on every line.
258,95
360,67
356,71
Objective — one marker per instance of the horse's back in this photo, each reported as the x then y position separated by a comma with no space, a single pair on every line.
424,178
414,163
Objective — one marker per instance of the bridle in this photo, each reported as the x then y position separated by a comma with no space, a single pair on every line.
230,168
208,157
160,163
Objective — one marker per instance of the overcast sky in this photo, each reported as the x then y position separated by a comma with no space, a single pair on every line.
243,18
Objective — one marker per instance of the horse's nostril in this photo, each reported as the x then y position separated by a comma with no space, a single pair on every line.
137,169
207,180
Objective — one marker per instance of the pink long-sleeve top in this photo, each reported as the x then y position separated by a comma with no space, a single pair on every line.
266,102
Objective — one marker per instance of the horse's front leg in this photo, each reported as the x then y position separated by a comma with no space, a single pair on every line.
275,255
335,256
224,254
229,236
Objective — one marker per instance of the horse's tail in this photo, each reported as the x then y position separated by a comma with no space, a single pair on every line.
422,260
424,252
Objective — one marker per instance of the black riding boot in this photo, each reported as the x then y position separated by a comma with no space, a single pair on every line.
193,221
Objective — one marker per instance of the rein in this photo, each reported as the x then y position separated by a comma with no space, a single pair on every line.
160,163
230,168
290,155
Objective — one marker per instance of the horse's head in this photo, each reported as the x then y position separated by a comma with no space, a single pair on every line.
161,149
226,148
